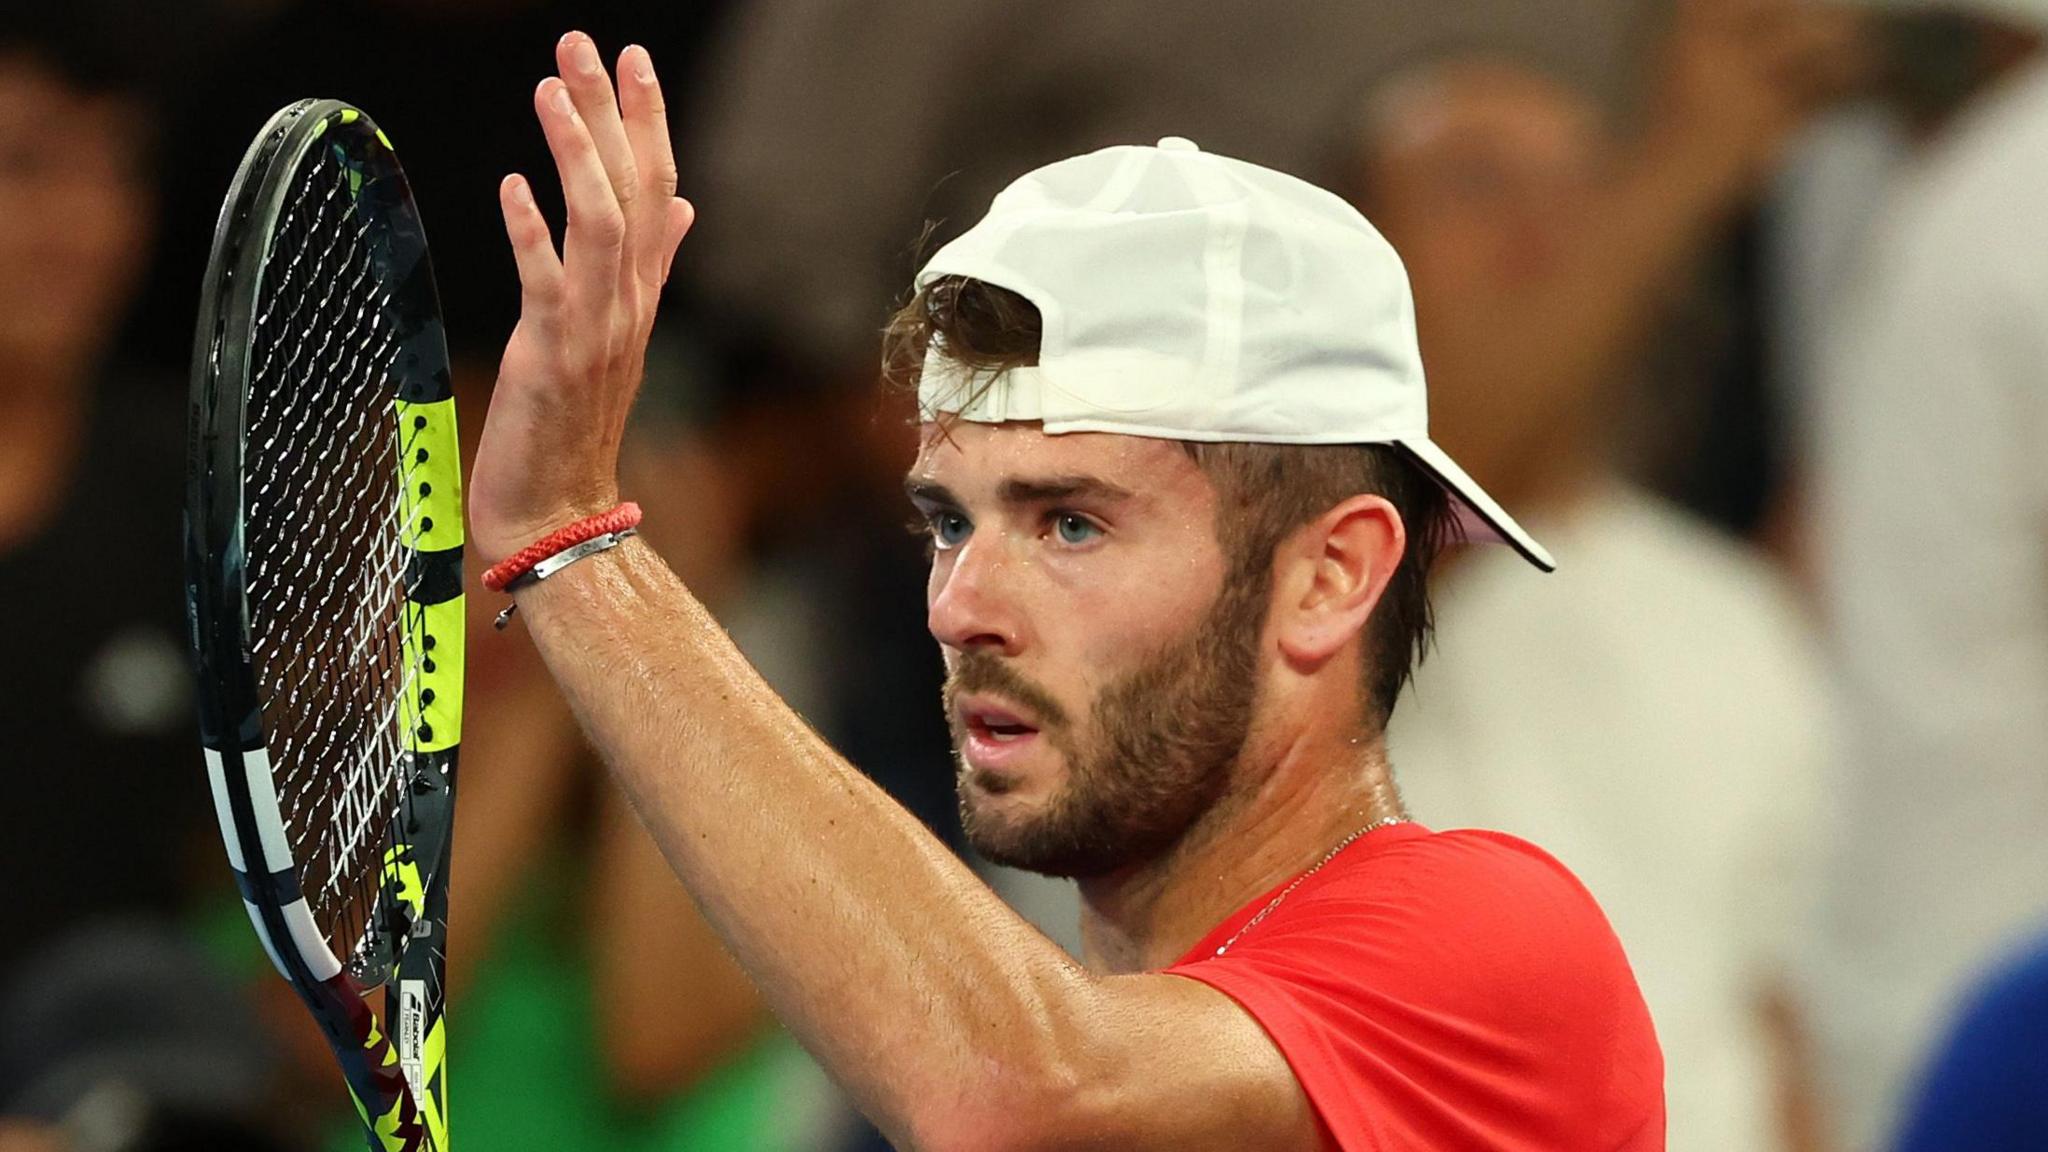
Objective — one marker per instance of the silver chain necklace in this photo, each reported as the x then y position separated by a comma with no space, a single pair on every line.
1346,842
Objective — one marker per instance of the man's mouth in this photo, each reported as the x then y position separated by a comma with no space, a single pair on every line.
994,731
995,723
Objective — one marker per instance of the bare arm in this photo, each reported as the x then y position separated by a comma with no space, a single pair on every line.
951,1021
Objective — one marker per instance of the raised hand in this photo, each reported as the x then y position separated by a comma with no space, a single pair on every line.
549,451
1740,77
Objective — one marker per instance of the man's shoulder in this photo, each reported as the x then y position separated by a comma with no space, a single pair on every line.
1486,921
1457,865
1459,961
1478,903
1472,878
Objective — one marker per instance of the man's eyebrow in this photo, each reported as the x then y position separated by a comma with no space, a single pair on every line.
1051,489
926,492
1018,490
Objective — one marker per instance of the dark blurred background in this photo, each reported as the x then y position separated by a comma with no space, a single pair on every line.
1741,304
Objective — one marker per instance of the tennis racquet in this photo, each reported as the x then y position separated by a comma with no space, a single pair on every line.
324,589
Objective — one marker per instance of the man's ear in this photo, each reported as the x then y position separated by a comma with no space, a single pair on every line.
1330,574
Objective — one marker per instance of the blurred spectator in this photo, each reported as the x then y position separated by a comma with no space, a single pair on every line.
1987,1088
832,131
1931,527
106,788
123,1038
1653,712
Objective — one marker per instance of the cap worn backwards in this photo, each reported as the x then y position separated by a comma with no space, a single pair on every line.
1189,296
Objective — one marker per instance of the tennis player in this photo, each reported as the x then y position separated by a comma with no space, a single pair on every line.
1182,505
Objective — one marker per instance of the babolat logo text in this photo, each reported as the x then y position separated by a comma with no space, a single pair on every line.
412,1032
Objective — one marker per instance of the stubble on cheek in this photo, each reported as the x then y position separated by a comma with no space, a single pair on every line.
1157,754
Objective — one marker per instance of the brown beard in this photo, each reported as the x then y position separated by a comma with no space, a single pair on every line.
1157,754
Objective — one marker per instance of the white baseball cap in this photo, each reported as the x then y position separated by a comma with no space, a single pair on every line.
1190,296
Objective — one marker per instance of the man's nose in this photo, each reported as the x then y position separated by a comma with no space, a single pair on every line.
973,605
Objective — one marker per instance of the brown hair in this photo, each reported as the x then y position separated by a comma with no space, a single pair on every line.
1265,491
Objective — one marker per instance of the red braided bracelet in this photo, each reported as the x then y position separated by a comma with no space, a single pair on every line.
501,575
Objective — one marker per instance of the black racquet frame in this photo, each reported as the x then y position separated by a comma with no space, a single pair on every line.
394,1063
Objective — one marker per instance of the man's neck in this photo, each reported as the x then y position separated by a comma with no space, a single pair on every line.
1276,827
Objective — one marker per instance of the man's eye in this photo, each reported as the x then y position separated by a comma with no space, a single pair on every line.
1074,528
949,529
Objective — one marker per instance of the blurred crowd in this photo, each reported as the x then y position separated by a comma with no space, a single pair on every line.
1741,304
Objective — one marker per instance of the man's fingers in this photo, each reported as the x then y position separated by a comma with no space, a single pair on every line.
533,247
646,119
646,115
596,233
583,71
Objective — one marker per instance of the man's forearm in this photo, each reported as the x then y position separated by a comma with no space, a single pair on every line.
914,985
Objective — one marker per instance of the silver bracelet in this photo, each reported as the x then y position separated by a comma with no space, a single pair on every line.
559,561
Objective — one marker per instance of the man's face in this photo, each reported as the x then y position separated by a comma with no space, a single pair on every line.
1101,676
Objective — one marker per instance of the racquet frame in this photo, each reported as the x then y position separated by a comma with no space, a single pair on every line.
395,1066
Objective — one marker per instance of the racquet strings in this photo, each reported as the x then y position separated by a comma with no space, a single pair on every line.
324,538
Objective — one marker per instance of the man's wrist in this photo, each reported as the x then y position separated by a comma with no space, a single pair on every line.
500,537
559,550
